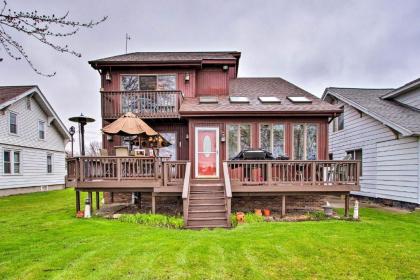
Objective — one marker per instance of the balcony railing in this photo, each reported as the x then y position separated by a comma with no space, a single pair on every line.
145,104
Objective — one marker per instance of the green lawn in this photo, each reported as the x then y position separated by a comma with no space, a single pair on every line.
41,239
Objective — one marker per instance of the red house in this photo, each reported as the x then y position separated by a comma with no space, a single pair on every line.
198,103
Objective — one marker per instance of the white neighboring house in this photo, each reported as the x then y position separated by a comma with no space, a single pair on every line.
32,142
380,127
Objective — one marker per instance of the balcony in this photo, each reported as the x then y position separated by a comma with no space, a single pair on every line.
145,104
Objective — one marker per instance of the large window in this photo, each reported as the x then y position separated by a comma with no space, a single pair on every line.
272,138
169,151
12,122
305,141
41,130
11,162
239,138
49,163
148,82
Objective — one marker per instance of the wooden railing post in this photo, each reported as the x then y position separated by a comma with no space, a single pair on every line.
228,191
165,174
82,169
119,169
314,173
186,192
269,170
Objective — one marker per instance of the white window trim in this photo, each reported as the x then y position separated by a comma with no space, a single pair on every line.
52,163
151,74
45,130
238,137
305,136
12,162
272,135
17,123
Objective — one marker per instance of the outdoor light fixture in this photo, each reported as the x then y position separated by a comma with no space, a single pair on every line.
187,136
109,137
72,131
222,137
225,67
187,77
108,76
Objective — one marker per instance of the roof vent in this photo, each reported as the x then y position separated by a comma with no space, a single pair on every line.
269,99
299,99
208,99
238,99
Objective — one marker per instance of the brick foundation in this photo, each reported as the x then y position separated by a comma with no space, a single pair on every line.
293,203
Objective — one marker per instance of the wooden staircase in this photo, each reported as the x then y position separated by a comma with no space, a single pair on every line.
207,207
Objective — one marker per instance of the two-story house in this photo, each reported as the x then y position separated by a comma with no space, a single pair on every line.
381,128
197,101
32,142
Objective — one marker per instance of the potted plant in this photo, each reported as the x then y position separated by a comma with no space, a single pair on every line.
266,212
258,212
240,217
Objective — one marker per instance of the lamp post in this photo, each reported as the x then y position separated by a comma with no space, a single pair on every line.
72,130
82,121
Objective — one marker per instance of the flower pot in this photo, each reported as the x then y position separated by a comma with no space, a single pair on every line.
240,217
80,214
266,212
258,212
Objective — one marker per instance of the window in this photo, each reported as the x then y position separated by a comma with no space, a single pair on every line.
272,138
49,163
7,168
299,99
305,141
11,162
269,99
13,123
208,99
148,82
41,130
28,102
238,99
338,123
357,155
239,138
169,151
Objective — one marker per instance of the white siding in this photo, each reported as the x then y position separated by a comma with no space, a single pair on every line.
390,166
33,150
411,98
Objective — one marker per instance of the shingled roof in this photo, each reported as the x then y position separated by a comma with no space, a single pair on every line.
254,88
7,93
403,119
160,57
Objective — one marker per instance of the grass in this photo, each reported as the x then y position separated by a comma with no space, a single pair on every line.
41,239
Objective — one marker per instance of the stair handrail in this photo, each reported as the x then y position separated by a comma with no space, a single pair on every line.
186,191
228,191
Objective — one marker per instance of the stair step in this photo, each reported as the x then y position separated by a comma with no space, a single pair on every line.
207,215
207,211
207,191
207,226
207,222
207,197
206,219
207,207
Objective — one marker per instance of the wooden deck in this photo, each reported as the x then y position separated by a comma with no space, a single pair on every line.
146,173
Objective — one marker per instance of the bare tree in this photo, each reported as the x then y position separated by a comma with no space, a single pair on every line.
41,27
94,148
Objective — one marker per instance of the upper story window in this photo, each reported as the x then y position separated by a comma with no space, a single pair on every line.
305,141
338,123
49,163
13,122
11,162
272,138
239,138
41,130
148,82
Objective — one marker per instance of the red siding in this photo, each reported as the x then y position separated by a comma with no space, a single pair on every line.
212,81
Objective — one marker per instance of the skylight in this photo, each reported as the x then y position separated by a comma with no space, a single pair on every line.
208,99
238,99
269,99
299,99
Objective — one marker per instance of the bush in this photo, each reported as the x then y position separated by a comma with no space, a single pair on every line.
250,218
156,220
318,215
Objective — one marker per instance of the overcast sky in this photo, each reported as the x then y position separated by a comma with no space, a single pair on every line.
314,44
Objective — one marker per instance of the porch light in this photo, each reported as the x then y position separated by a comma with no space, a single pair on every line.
108,76
187,136
109,137
225,68
187,77
222,137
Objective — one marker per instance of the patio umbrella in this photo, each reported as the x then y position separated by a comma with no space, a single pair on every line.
129,125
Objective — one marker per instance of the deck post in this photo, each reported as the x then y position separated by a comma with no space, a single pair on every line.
283,205
97,200
112,197
77,201
346,205
153,203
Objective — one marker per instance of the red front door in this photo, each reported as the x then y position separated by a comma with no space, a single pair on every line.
207,152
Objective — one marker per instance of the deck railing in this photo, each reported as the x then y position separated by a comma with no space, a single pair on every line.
174,172
276,172
145,104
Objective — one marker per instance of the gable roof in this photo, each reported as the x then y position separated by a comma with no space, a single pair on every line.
12,94
369,101
166,57
403,89
254,88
